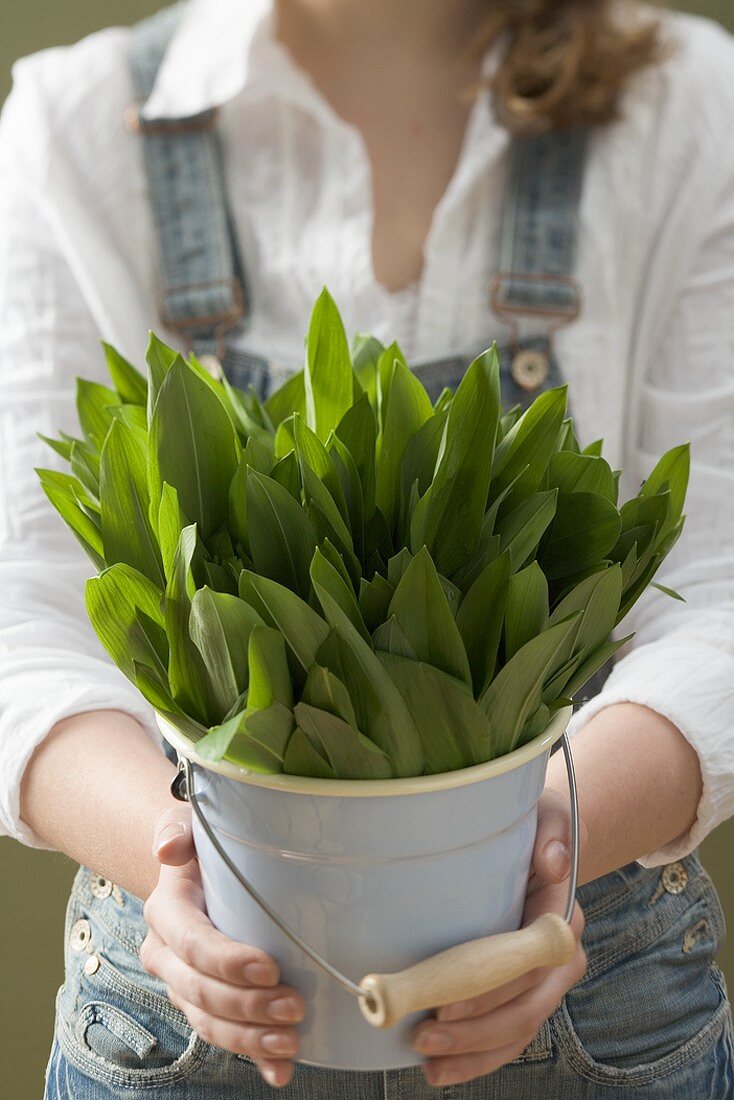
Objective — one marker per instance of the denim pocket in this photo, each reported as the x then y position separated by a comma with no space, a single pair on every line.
114,1023
653,1001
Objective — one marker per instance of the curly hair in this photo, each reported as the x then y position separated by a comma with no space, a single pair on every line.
565,63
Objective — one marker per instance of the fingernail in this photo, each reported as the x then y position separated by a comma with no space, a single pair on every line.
285,1009
434,1076
173,831
557,857
259,974
277,1043
271,1075
433,1041
457,1011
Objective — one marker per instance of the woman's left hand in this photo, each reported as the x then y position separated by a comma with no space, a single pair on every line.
473,1038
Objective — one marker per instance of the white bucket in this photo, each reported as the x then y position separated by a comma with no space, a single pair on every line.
374,874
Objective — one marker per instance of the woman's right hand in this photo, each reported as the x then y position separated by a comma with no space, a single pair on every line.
229,992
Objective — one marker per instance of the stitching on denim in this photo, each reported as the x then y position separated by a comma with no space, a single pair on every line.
636,1076
129,1031
638,938
91,1064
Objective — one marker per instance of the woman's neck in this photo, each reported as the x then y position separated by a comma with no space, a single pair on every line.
434,30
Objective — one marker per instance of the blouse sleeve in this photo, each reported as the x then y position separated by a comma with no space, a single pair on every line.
682,659
51,663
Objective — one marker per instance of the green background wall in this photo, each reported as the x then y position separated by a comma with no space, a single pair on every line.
35,884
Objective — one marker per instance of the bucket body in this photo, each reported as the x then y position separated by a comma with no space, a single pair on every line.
373,881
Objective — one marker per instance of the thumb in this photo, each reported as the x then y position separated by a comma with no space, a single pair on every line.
552,853
173,842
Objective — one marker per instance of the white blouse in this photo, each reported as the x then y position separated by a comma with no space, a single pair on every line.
650,361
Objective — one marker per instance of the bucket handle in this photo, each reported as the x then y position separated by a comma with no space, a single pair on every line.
460,973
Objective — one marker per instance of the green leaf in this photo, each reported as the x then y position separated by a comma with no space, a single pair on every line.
448,518
454,731
114,601
366,352
269,675
171,522
304,631
287,474
422,610
130,384
93,403
391,638
328,378
68,496
126,531
597,598
288,399
584,530
581,473
220,626
187,672
592,665
671,474
521,529
381,712
515,692
326,691
160,358
329,585
480,619
670,592
253,739
349,753
60,446
85,464
194,447
525,451
312,453
527,608
408,408
357,430
301,758
351,483
281,536
374,600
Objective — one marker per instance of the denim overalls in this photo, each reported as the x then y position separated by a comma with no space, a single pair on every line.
650,1019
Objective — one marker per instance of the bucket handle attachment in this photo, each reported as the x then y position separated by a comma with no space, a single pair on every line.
458,974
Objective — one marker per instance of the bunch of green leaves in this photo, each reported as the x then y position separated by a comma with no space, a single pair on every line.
349,580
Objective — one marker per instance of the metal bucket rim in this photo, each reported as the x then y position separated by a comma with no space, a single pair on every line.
363,788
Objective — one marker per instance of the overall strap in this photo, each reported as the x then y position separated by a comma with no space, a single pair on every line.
202,292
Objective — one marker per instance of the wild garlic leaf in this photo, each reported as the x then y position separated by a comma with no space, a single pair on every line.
583,531
281,536
422,610
220,626
349,753
303,629
328,377
130,384
93,404
526,614
480,619
194,447
113,600
68,497
126,530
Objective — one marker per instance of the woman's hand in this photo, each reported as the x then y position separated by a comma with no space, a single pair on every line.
229,992
473,1038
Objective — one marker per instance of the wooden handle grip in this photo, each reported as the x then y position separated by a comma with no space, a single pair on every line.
467,970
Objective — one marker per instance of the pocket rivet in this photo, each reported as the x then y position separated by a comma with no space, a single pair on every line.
91,965
674,878
530,369
101,887
81,935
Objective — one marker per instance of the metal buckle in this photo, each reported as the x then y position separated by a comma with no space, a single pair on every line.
221,323
511,314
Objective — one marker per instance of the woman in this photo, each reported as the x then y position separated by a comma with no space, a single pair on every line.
353,155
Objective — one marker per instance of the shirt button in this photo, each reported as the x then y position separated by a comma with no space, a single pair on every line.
530,368
100,887
91,965
674,878
81,935
212,364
